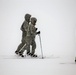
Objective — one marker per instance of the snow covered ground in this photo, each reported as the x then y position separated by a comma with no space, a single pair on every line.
56,19
50,65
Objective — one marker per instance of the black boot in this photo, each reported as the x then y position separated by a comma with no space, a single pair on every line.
75,60
20,54
16,52
33,55
28,53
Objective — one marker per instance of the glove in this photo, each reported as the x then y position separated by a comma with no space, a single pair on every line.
38,32
36,29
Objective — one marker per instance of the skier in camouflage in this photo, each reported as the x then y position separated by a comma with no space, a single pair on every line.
30,38
24,28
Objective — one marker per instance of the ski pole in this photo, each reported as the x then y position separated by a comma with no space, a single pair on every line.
41,45
23,46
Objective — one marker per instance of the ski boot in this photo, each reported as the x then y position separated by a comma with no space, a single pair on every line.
16,52
28,53
75,59
33,55
20,54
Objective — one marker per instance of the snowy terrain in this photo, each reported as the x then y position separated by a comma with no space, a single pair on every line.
51,65
56,19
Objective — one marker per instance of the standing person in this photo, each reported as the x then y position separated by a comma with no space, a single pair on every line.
33,31
30,38
24,29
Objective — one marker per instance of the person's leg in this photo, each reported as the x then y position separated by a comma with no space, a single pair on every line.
20,46
28,43
33,48
27,46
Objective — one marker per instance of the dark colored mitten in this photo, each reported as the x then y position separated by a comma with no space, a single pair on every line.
38,32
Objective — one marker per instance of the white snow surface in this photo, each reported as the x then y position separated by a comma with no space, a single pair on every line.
50,65
56,19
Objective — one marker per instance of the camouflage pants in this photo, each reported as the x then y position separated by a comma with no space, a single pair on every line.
21,45
29,41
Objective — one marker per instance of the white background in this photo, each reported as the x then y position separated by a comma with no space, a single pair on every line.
56,19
